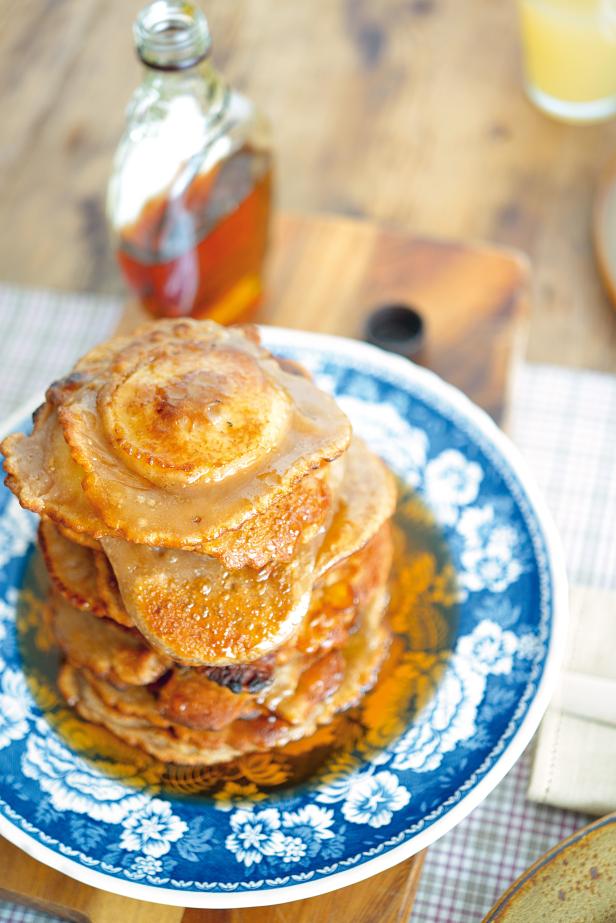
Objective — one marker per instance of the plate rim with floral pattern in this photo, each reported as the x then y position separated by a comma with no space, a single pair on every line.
407,385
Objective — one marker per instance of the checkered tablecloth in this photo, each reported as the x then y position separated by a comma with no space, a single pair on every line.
18,913
42,334
565,424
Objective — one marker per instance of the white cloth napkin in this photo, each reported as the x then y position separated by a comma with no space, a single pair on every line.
575,758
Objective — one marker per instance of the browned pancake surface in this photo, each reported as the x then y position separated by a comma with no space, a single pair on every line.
108,650
71,568
194,610
190,430
134,714
367,498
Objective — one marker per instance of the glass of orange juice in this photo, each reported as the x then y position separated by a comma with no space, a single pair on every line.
570,57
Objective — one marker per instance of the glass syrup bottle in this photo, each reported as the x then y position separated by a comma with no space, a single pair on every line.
189,197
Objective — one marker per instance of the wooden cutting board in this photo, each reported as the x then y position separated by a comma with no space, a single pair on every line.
326,274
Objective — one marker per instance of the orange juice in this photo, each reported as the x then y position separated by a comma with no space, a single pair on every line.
570,56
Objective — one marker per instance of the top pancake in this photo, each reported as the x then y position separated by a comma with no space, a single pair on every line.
177,435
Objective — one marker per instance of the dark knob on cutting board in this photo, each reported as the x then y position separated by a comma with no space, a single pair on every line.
398,328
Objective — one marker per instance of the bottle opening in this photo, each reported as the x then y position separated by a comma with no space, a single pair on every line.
171,35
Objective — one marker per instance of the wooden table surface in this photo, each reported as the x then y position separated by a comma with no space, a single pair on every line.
410,112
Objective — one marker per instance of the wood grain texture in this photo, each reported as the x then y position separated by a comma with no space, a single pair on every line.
388,898
27,876
325,275
410,112
604,229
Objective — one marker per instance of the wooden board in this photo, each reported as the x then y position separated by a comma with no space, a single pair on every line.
326,273
604,229
386,898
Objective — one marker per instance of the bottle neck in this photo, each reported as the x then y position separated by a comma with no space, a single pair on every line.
202,80
171,36
203,73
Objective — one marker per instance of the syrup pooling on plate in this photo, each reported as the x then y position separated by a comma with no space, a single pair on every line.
422,613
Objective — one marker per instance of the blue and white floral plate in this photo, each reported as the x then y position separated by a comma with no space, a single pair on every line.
485,583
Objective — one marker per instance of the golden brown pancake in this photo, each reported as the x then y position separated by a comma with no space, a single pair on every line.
109,592
273,536
334,606
194,610
83,576
367,498
175,436
190,430
108,650
338,595
71,568
45,478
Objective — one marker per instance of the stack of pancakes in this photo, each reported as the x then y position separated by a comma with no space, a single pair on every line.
218,542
